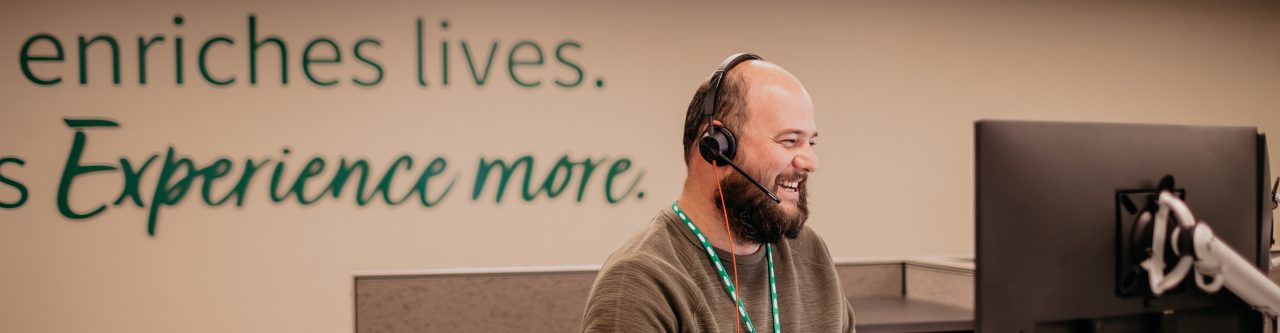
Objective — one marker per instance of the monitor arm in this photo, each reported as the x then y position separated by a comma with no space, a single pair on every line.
1195,245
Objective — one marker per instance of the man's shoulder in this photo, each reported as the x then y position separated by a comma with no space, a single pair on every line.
648,268
632,292
655,247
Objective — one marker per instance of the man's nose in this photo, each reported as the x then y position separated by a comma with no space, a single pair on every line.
807,160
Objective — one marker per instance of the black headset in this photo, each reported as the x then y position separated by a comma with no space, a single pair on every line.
717,144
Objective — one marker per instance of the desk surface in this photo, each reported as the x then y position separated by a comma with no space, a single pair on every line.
902,314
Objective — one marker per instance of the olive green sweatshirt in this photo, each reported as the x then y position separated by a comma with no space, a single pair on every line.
662,280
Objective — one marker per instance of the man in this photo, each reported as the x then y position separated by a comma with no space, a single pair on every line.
664,279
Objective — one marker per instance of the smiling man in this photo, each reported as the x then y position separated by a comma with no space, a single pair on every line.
762,270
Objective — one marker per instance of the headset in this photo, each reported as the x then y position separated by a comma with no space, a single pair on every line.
718,145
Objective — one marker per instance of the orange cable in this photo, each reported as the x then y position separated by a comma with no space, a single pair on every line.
733,254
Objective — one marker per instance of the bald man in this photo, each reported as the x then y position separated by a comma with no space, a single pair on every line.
678,274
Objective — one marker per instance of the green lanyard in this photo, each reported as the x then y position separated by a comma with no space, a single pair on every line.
724,276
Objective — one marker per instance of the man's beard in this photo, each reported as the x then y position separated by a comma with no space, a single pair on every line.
756,218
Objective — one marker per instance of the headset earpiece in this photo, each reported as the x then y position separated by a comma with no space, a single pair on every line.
718,145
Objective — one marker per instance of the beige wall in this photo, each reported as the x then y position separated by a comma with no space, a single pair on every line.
897,85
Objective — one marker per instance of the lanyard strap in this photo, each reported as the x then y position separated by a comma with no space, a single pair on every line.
724,276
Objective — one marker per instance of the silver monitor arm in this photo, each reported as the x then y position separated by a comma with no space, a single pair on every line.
1210,257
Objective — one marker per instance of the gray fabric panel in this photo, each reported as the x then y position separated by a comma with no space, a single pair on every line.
503,302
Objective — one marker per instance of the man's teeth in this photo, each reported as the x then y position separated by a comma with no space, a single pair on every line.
790,186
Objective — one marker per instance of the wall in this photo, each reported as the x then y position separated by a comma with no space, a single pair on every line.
897,87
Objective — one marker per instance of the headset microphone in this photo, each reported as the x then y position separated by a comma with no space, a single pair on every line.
776,200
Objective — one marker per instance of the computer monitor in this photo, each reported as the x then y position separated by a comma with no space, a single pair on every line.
1052,227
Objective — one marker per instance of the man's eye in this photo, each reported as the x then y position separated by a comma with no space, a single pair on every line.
789,142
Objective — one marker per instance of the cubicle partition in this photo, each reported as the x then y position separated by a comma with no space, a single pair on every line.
889,295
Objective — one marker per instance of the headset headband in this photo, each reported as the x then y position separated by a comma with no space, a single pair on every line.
709,104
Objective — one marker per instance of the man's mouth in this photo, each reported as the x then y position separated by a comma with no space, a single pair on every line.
790,185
